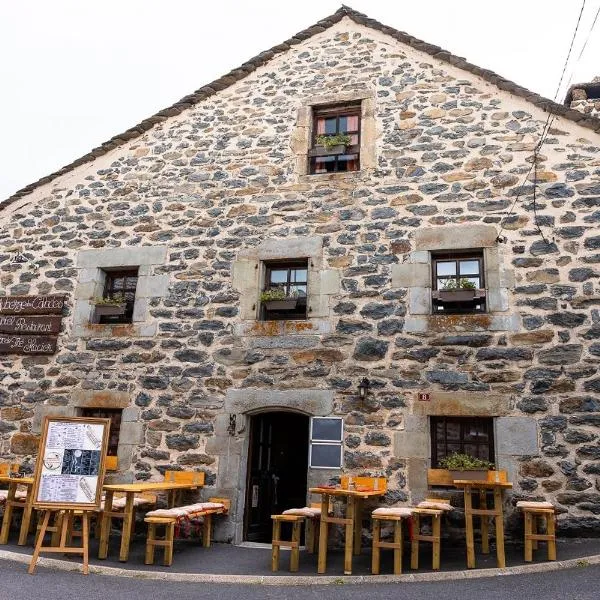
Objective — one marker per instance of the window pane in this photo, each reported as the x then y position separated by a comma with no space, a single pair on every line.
473,280
320,126
352,123
446,268
279,276
469,267
475,432
298,275
324,164
326,456
327,429
452,432
331,126
448,282
354,139
348,162
299,290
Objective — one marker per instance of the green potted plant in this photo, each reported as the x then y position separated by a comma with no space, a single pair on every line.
276,299
458,290
110,305
465,466
331,144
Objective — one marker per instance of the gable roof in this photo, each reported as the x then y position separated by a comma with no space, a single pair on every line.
264,57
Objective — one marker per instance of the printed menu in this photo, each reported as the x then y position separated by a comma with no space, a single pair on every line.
71,462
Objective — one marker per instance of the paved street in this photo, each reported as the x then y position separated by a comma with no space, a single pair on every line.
574,584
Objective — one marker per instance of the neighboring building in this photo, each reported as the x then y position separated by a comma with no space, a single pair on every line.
195,211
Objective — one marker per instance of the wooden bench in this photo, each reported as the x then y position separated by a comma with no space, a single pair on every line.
170,517
532,511
310,515
396,515
434,508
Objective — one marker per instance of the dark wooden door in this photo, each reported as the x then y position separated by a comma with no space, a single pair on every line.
277,470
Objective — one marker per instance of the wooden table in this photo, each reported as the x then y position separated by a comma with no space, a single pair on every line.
130,490
352,522
12,503
484,512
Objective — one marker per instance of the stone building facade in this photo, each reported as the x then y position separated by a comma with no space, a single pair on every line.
204,198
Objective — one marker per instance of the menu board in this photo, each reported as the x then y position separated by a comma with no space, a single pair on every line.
70,465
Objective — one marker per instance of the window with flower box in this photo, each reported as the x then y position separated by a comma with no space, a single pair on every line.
335,139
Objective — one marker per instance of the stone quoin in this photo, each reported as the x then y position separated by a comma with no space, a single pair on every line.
197,210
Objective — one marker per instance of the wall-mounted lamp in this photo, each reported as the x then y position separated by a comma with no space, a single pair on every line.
232,424
363,388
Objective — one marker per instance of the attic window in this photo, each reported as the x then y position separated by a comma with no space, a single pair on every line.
335,143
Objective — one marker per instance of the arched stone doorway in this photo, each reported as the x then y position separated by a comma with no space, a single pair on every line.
231,444
277,469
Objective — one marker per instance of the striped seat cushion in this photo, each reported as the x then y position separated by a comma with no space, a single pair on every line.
201,506
307,511
528,504
435,505
398,511
170,513
119,503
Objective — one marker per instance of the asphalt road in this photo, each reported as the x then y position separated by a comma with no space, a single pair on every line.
15,584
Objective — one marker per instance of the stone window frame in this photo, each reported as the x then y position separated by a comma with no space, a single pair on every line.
248,274
486,421
415,275
266,267
301,141
515,437
92,266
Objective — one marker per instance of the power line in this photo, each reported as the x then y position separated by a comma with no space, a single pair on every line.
548,125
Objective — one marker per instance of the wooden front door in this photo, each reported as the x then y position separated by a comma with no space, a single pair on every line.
277,470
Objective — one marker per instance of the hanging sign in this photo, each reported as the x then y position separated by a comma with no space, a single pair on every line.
30,324
27,344
32,305
70,467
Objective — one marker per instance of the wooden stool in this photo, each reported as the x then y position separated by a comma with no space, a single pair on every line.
312,516
547,513
294,544
396,515
434,508
166,542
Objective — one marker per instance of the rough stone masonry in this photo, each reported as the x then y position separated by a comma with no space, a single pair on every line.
202,198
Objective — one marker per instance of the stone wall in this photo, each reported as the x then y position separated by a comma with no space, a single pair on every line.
219,187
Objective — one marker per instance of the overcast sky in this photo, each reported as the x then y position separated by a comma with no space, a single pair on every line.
75,72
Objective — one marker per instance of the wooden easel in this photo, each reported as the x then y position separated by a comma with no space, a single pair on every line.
53,464
63,535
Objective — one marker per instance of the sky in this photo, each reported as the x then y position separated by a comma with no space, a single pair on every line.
73,73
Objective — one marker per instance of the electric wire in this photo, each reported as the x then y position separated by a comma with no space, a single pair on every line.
548,124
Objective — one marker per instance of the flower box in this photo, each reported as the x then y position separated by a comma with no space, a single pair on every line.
464,295
470,475
288,304
109,310
325,151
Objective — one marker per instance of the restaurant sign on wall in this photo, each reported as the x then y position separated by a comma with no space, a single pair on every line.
30,324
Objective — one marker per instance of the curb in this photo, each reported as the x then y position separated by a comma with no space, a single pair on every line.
62,565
